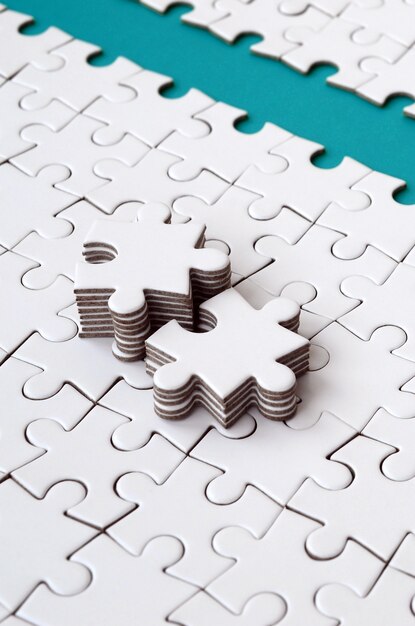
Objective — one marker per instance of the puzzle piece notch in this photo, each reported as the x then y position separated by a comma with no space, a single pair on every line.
228,219
34,201
168,509
73,147
276,558
296,7
310,260
320,186
224,150
343,45
387,501
66,74
148,181
388,303
287,458
67,457
36,540
16,50
14,117
149,116
262,18
137,585
28,311
385,224
59,256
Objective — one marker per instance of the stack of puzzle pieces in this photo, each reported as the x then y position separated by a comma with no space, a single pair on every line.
112,515
371,43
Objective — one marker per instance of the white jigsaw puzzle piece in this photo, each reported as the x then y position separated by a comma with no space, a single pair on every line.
273,563
149,116
36,540
224,150
68,457
16,49
138,585
34,202
73,147
15,118
395,18
389,502
148,181
66,74
67,407
319,186
287,458
169,509
228,219
27,311
339,44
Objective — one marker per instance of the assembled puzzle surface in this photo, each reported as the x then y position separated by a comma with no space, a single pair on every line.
113,515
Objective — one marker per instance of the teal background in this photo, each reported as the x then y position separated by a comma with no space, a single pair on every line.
382,138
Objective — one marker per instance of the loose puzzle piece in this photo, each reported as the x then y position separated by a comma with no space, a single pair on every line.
248,358
228,219
391,79
274,562
26,311
224,150
355,365
34,202
139,586
385,224
16,49
148,181
138,406
287,458
261,17
390,601
36,540
87,365
15,118
169,509
73,146
149,116
340,44
399,433
68,457
310,260
318,187
202,610
65,74
389,303
387,501
67,407
395,18
59,256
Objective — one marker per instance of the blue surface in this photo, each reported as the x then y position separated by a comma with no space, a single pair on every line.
382,138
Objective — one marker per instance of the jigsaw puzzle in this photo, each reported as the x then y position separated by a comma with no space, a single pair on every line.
110,513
